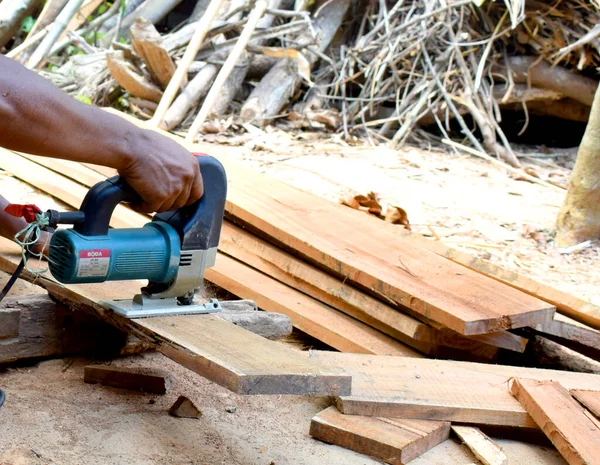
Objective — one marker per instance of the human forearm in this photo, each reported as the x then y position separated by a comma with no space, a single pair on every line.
38,118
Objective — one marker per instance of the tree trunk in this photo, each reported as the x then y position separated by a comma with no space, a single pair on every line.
579,218
12,13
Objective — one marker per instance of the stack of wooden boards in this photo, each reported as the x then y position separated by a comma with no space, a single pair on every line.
362,287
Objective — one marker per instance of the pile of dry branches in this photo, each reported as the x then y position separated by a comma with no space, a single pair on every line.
382,69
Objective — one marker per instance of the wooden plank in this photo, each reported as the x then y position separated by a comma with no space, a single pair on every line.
567,304
550,354
309,315
335,292
10,319
561,418
486,450
444,390
572,330
393,440
328,289
589,399
127,378
218,350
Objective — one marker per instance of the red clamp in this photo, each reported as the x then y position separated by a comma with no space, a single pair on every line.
26,211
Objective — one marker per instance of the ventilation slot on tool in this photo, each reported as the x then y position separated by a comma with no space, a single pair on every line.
60,257
186,259
132,262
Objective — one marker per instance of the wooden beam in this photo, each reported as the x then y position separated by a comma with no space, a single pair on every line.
486,450
444,390
309,315
393,440
563,420
572,330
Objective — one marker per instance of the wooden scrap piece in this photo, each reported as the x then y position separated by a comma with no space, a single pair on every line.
393,440
561,418
146,42
589,399
127,378
129,79
184,408
426,389
550,354
34,326
486,450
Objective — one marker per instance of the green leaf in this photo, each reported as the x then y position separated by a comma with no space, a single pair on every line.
102,8
27,24
84,99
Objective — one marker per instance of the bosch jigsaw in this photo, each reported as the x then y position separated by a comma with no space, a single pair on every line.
172,251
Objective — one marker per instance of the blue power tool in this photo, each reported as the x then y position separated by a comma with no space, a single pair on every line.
172,251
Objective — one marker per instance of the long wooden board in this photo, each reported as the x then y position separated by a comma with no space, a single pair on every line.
218,350
360,250
316,319
324,287
563,420
443,390
566,328
393,440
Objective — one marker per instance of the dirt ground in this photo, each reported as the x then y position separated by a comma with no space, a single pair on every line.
52,417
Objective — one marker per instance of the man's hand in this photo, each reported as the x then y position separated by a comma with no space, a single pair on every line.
162,172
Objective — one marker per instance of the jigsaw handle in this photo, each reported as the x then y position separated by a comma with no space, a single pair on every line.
198,225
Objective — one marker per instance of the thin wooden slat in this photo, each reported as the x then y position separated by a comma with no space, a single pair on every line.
444,390
486,450
589,399
566,328
218,350
563,420
393,440
316,319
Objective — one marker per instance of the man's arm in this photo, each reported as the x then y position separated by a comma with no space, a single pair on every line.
38,118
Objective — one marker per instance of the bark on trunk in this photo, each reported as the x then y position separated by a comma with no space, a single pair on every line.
579,218
282,81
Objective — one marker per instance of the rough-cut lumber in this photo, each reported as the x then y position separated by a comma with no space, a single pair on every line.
146,42
282,81
390,267
309,315
589,399
186,60
561,418
393,440
12,13
566,328
426,389
553,355
418,279
333,291
127,378
314,318
218,350
486,450
184,408
37,327
129,79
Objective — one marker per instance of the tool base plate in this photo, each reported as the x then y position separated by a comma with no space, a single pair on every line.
130,309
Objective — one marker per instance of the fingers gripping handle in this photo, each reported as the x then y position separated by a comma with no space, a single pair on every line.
198,225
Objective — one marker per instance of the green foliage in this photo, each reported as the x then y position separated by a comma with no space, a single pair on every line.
27,24
84,99
72,50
